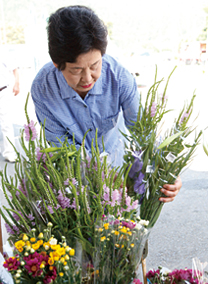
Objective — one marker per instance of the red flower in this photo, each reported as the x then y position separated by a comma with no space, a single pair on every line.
11,264
33,262
50,276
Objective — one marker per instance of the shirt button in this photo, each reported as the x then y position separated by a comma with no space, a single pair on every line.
90,129
85,106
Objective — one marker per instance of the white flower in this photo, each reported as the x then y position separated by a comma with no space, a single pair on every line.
144,223
138,226
17,275
53,242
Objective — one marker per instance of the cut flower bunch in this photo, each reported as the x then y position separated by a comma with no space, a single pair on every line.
156,159
79,194
41,259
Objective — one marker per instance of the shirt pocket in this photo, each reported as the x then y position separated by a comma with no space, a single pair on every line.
109,123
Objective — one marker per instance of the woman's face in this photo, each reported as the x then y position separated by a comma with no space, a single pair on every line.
82,75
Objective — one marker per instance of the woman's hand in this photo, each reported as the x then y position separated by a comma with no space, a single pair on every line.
171,190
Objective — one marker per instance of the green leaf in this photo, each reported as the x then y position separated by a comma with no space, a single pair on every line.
169,140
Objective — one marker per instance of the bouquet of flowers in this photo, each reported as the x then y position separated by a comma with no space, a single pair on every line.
156,159
40,258
195,275
73,191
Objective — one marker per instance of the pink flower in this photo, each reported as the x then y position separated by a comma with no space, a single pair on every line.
137,281
129,224
50,276
33,262
11,264
185,115
115,197
153,109
63,200
30,131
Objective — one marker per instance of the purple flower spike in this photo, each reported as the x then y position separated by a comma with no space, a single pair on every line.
63,200
139,186
153,109
30,128
135,168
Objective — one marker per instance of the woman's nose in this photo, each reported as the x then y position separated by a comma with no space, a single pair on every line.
86,76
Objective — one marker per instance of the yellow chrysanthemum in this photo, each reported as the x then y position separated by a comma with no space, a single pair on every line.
46,245
51,268
61,274
102,238
106,226
123,230
72,252
61,251
33,240
116,233
117,245
50,261
62,260
35,246
55,255
40,242
132,245
65,263
100,230
19,244
130,233
55,247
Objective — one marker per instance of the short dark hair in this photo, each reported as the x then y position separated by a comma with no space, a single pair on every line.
72,31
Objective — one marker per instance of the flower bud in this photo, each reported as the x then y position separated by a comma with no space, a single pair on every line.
33,230
25,238
40,236
66,267
17,275
32,250
50,225
26,254
22,263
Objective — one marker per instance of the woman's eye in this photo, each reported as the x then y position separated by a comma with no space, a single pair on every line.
75,71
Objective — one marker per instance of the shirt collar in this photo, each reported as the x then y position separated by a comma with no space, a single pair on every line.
68,92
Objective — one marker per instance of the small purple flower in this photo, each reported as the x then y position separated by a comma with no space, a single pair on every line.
30,217
30,131
115,197
73,205
50,209
185,115
139,186
135,168
63,200
153,109
9,230
66,182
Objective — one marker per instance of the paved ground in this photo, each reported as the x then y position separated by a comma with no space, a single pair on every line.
181,232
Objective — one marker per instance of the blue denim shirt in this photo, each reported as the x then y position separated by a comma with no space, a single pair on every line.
110,105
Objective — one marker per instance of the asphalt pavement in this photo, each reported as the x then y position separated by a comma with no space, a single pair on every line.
181,232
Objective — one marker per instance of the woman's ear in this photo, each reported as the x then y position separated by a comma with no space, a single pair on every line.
56,65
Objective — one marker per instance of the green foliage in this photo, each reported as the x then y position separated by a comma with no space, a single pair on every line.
162,158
